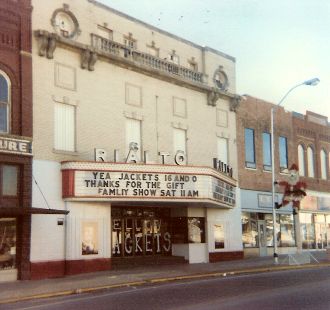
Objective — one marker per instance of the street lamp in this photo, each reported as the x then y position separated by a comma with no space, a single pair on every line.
311,82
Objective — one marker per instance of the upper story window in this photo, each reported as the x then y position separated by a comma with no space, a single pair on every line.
266,150
104,32
174,57
250,159
310,162
180,141
301,160
65,127
222,146
4,102
192,64
129,41
283,148
133,137
323,158
9,180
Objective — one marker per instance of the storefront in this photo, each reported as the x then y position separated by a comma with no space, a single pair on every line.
136,210
315,221
257,225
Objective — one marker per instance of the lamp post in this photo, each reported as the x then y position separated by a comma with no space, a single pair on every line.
311,82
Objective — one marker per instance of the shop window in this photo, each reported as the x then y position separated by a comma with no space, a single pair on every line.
320,231
65,127
267,156
250,160
222,147
4,102
7,243
286,236
310,162
301,160
249,230
219,236
307,231
283,149
323,157
133,138
9,180
179,142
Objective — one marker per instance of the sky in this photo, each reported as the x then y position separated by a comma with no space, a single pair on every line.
277,43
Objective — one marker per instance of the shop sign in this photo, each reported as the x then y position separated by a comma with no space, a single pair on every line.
15,146
114,184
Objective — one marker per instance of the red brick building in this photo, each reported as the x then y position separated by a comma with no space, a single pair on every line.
299,139
15,138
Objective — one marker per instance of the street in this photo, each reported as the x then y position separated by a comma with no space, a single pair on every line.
295,289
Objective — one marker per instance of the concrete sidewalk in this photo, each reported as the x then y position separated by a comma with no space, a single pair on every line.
26,290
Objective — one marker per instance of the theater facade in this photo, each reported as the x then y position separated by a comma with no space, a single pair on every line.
135,141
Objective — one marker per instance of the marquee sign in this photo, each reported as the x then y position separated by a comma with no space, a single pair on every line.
15,146
102,181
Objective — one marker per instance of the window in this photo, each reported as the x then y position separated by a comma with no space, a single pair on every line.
9,180
307,231
4,102
8,243
196,230
250,161
129,41
250,230
283,147
219,236
310,161
179,141
174,58
301,160
65,127
133,136
323,164
222,144
267,156
104,32
286,237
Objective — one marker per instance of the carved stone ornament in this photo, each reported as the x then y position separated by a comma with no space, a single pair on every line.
235,102
65,23
47,43
212,98
88,59
220,79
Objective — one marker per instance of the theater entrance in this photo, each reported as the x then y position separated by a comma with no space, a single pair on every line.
140,232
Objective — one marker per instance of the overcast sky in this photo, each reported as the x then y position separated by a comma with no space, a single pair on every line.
277,43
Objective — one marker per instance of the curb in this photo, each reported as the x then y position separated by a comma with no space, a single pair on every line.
162,280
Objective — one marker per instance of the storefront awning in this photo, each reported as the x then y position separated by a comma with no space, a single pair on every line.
6,211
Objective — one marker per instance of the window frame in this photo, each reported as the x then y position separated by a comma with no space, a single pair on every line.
267,166
301,159
286,166
323,164
310,161
250,164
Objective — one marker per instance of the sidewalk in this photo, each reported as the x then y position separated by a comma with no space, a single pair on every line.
25,290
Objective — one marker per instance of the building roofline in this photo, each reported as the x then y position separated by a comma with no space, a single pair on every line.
206,48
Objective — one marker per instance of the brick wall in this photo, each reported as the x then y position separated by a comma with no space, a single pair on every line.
16,62
255,114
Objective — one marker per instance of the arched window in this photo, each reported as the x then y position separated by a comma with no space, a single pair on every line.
310,161
301,160
4,102
323,161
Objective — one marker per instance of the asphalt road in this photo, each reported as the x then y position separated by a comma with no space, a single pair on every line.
294,289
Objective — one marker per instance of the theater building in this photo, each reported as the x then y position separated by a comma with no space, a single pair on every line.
135,134
15,139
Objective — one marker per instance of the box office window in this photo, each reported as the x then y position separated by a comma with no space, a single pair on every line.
7,243
188,230
9,180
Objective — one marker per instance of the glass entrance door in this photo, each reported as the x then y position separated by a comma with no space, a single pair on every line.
140,233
